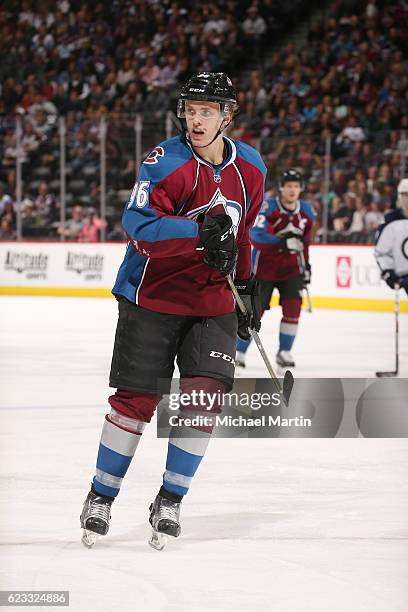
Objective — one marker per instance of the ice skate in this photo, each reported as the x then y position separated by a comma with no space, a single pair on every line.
240,359
285,359
165,521
95,518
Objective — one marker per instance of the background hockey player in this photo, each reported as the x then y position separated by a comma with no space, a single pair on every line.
391,251
187,220
280,260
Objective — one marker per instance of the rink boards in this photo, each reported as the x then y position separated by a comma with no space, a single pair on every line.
343,276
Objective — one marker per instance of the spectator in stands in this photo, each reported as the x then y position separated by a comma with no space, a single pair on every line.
117,234
357,225
373,218
72,228
125,74
156,102
150,73
254,28
170,73
6,230
32,224
5,199
91,229
341,214
45,204
9,213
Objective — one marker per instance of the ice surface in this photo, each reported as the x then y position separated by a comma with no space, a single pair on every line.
283,525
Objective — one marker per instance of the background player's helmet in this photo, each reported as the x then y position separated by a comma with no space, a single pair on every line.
291,175
209,87
403,186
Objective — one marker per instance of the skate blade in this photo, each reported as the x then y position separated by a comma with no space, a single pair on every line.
89,538
281,369
158,540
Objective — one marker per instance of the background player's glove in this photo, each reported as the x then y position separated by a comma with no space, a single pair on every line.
307,274
217,236
391,278
293,243
404,281
249,292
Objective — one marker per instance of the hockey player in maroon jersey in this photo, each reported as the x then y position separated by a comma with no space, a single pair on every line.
280,259
187,220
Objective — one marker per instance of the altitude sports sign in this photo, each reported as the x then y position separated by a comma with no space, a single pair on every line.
58,268
343,277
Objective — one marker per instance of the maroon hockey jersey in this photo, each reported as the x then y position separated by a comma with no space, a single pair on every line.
162,270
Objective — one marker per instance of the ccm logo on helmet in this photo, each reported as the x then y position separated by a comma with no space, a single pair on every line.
223,356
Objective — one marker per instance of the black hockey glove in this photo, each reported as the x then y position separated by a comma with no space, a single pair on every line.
293,242
391,278
217,237
307,274
249,292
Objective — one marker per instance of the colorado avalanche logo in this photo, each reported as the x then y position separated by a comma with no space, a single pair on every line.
153,156
220,205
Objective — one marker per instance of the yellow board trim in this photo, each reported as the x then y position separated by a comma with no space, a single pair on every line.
57,291
340,303
337,303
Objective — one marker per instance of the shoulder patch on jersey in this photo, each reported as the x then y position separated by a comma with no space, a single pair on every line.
153,156
164,159
251,155
307,207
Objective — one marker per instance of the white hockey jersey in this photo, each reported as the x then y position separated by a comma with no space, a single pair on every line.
391,250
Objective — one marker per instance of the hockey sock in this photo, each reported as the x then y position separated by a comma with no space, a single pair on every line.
289,323
187,444
120,437
116,450
242,345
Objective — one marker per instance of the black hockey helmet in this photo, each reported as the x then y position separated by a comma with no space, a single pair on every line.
209,87
291,175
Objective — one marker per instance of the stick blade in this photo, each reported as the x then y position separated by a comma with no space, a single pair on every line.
386,374
287,385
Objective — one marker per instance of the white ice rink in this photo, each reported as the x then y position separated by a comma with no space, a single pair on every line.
270,524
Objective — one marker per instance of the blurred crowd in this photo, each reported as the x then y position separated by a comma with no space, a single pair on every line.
343,92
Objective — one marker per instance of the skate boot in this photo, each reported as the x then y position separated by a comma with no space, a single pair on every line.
240,359
95,518
165,521
285,359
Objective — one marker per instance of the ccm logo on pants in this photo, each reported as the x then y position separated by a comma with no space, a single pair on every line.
219,355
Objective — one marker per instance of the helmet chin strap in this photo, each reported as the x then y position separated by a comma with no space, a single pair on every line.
219,131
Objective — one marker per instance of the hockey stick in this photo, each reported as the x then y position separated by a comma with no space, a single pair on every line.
302,266
396,310
288,379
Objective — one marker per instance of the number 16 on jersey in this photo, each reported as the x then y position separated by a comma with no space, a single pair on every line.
140,194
